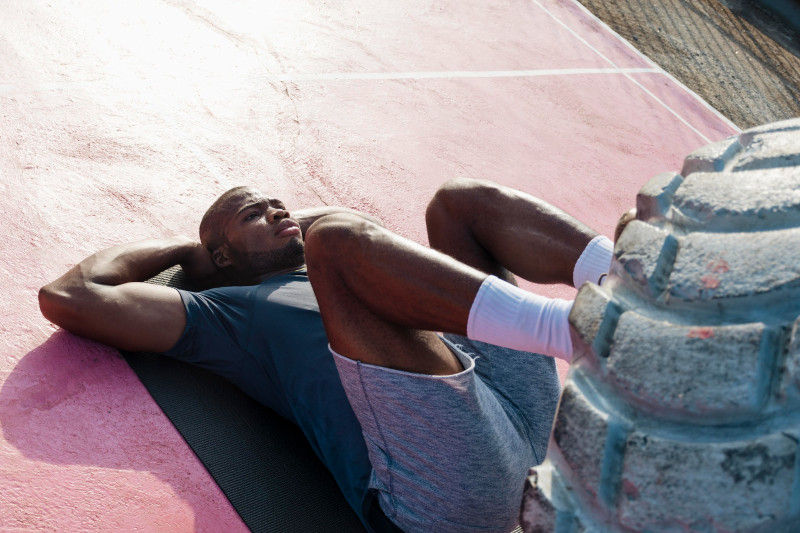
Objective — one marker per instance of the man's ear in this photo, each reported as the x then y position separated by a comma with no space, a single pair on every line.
220,256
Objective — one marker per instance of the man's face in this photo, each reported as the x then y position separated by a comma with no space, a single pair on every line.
261,237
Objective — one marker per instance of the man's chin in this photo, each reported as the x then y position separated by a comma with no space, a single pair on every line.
290,256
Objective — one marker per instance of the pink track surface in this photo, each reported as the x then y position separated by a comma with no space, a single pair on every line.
120,121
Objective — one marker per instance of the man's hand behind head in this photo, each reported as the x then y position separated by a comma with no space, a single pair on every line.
200,268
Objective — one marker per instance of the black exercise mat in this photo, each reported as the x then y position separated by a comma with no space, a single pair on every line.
261,461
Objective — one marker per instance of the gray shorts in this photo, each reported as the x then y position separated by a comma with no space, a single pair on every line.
451,453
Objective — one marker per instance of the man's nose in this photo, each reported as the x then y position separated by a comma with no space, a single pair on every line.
276,215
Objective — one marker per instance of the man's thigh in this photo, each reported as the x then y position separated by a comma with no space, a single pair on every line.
380,295
352,328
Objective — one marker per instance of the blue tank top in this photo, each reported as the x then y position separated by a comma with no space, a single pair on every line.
269,340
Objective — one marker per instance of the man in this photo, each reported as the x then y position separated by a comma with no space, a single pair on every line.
435,433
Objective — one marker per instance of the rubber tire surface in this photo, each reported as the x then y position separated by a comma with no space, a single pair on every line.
681,411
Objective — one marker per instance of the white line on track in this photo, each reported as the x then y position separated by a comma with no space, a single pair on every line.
627,74
459,74
615,69
664,72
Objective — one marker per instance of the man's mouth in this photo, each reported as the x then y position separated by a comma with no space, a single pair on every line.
287,228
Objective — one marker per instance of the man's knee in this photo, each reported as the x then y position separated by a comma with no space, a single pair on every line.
460,196
335,240
453,193
456,203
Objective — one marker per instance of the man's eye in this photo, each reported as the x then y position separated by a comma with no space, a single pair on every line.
251,216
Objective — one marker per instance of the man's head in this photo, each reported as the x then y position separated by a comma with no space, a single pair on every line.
250,234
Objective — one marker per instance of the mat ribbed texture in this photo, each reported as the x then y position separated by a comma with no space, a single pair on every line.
261,462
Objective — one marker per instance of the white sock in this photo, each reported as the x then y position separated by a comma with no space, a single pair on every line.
594,262
505,315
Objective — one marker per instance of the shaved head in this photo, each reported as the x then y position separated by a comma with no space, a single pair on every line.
212,226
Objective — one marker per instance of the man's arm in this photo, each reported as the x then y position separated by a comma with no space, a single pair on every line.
306,217
104,298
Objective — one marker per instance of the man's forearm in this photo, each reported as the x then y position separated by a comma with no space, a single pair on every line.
135,261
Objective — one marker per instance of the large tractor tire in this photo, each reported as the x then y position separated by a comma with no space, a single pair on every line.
681,411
